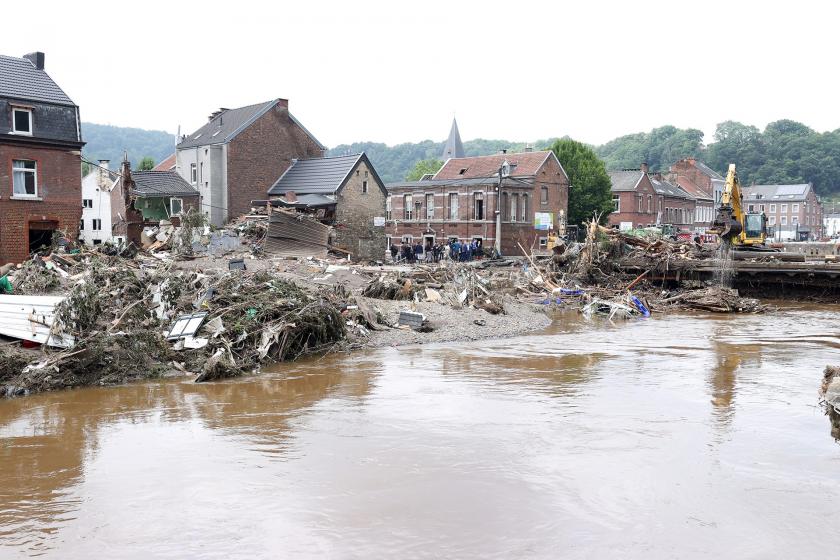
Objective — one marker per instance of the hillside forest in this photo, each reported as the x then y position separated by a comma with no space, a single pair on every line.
785,151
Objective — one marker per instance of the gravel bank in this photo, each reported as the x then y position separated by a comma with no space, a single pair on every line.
452,324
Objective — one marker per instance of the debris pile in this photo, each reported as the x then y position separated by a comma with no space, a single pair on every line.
830,395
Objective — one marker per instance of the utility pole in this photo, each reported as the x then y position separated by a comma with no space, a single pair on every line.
503,170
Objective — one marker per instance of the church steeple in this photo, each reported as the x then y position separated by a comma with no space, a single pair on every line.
454,148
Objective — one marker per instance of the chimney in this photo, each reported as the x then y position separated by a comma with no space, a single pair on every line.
283,103
643,167
103,174
36,58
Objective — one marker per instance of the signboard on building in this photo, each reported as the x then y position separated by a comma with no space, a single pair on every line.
625,226
379,221
543,220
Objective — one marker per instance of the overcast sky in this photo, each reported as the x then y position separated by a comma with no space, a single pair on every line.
398,71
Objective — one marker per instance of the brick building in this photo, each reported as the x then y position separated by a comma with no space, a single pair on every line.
461,201
344,192
239,154
794,212
644,199
703,183
40,159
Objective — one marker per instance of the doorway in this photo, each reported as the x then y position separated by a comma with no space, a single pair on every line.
41,234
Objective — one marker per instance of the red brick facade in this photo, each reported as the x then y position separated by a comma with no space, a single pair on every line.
258,155
59,197
547,190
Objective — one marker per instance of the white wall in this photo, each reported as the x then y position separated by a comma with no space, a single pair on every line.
101,208
211,178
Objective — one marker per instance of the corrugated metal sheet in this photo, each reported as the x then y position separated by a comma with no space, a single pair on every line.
296,235
30,318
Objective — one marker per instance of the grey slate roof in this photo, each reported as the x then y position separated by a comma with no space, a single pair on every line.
777,192
665,188
707,170
230,122
21,80
152,184
315,176
454,148
625,180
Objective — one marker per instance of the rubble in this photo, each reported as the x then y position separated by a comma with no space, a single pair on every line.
241,306
830,395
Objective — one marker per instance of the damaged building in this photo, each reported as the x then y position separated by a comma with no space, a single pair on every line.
343,192
141,199
40,148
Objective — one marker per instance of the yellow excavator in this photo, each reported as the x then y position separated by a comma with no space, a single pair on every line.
741,229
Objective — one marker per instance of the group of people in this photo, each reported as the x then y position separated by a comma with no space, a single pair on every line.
435,252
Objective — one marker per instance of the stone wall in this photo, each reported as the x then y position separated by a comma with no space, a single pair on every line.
355,209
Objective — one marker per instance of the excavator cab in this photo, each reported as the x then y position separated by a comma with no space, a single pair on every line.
732,224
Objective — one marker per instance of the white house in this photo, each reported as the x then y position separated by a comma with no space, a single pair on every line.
95,227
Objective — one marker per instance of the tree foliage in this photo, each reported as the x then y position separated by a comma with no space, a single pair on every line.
423,167
112,142
146,164
659,148
589,191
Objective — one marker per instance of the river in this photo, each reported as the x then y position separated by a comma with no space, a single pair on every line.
680,436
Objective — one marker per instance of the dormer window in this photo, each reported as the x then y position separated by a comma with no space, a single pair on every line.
22,121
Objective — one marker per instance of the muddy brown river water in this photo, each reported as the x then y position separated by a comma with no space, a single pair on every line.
682,436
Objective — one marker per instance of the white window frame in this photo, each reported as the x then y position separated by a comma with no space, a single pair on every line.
172,211
193,173
794,208
16,170
514,208
87,203
430,211
408,207
771,220
784,209
388,208
617,203
14,127
783,220
96,224
476,197
772,208
454,209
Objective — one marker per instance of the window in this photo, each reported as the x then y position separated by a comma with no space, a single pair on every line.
176,206
523,208
96,224
25,178
784,208
364,187
430,206
650,201
87,203
514,198
772,220
794,208
639,200
543,195
478,206
193,176
418,206
366,174
616,203
407,207
388,210
543,242
794,220
772,208
22,121
751,208
453,206
81,225
784,220
504,208
462,171
761,208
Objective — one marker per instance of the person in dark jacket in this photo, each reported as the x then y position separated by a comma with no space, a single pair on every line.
394,252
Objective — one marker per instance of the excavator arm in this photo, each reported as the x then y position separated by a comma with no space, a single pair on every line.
729,222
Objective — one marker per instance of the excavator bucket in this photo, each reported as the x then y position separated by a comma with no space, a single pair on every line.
725,225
